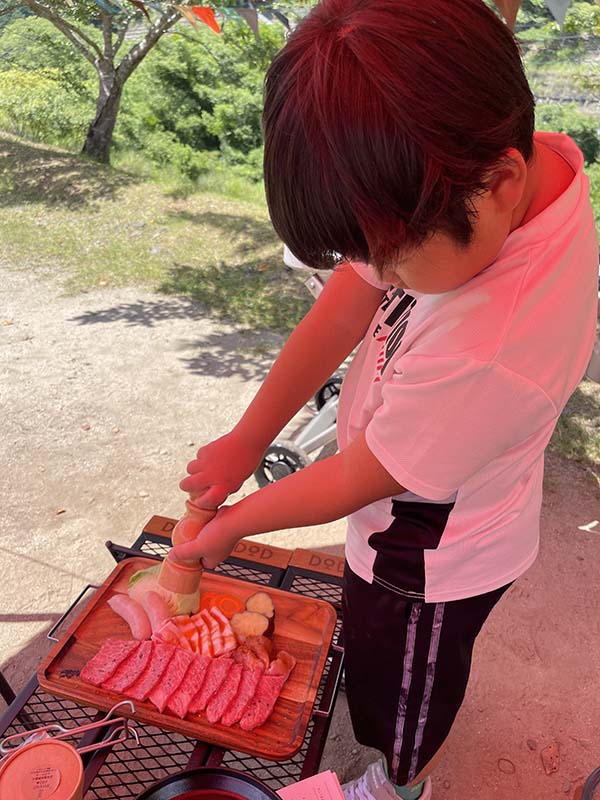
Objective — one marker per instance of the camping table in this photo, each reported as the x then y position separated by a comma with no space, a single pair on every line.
125,769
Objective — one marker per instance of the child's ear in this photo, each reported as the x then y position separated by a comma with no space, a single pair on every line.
507,181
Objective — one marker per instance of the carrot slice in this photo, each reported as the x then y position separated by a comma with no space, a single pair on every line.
228,604
207,600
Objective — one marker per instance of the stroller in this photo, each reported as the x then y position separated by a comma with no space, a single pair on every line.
286,456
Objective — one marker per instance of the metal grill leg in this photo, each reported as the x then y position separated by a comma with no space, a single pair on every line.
5,690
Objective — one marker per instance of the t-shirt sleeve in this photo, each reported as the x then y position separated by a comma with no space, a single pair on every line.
444,419
368,274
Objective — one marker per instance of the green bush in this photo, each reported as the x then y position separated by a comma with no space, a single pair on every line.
35,105
567,119
593,173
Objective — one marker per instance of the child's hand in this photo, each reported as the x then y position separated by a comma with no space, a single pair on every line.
213,544
220,468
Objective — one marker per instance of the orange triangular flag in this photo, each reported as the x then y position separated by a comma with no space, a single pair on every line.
509,10
207,16
186,12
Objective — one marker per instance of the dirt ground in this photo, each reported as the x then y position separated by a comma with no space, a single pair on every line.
106,395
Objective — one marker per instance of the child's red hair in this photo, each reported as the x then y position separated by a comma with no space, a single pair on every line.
382,121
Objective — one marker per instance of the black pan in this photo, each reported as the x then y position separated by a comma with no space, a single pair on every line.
209,783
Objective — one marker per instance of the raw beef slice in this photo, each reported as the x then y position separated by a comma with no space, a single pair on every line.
215,675
104,664
180,700
259,709
225,694
248,683
130,670
170,681
159,660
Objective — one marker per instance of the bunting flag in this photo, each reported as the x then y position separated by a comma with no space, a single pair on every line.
187,12
250,17
558,9
108,7
139,5
509,10
207,16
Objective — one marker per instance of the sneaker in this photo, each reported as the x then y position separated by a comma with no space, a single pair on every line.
374,784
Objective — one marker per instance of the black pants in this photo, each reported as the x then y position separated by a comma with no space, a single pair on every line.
407,668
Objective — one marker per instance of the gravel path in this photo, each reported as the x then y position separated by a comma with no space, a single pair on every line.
105,397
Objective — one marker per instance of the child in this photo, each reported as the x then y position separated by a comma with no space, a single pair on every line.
400,151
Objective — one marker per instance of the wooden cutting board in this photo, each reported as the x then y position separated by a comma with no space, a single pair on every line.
303,627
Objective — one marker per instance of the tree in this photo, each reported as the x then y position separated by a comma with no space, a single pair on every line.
103,47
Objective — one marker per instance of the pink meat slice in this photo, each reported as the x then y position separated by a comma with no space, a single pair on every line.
130,670
106,661
159,659
261,706
180,700
215,675
173,675
223,697
248,683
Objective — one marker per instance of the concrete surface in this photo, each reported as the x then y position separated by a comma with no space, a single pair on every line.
106,395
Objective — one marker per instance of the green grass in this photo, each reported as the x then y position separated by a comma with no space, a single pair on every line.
577,435
99,226
96,226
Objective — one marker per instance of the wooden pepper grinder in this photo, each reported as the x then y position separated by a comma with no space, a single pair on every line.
183,575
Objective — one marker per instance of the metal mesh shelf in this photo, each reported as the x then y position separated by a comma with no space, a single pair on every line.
128,770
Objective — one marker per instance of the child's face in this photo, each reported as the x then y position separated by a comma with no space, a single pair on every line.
440,265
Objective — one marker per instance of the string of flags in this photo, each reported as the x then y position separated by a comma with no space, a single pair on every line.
204,14
252,15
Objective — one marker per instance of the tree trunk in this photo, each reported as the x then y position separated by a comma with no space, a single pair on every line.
99,136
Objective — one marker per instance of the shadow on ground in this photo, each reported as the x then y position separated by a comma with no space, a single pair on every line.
145,313
35,173
246,353
253,294
260,233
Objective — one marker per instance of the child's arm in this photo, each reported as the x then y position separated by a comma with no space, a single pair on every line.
329,332
322,492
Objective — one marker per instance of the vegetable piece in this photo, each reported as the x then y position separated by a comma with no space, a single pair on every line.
229,604
261,603
207,599
133,614
229,640
146,580
249,623
157,610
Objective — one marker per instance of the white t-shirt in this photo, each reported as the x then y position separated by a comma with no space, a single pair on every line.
459,393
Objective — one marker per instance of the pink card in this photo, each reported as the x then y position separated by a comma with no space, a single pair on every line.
324,786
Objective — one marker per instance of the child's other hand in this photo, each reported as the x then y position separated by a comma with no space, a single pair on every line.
213,544
219,469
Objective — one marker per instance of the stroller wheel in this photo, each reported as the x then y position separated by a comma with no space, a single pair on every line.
329,389
281,459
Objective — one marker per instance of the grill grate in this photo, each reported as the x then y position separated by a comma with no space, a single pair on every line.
128,770
43,709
